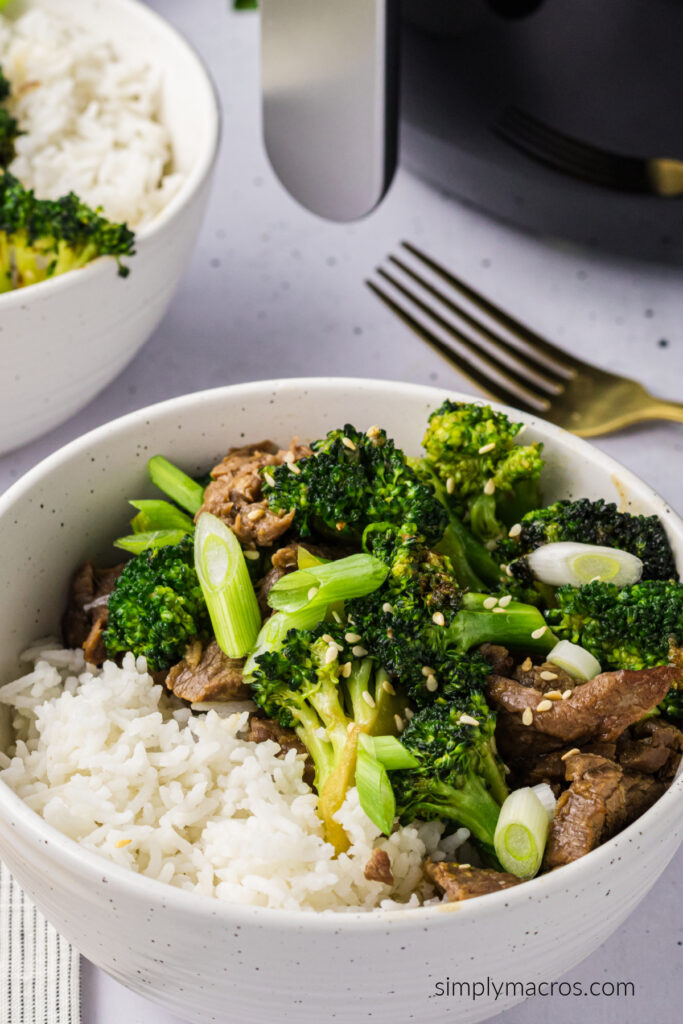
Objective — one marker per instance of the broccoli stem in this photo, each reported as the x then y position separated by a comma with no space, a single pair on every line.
185,491
472,563
470,805
517,625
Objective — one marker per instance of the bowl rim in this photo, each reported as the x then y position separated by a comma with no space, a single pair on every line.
191,184
75,857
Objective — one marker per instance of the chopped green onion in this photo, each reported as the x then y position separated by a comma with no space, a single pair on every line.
374,791
521,833
575,660
388,751
320,585
275,629
159,515
576,564
545,794
185,491
138,542
305,559
228,592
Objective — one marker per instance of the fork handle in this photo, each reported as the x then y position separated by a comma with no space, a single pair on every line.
662,410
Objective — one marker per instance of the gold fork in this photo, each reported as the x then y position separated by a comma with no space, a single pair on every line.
509,361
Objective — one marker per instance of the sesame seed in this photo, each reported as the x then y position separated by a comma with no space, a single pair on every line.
487,448
527,665
312,592
400,724
346,670
538,633
253,556
388,688
409,713
350,727
122,842
505,601
545,674
450,485
358,651
490,487
553,695
331,654
351,638
507,770
336,616
269,479
515,530
369,699
508,571
289,456
467,720
438,619
294,468
527,716
388,608
427,671
570,753
499,609
544,705
348,443
432,684
256,514
327,638
373,431
491,545
490,602
464,867
566,695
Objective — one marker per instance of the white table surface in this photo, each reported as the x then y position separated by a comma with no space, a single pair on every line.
272,292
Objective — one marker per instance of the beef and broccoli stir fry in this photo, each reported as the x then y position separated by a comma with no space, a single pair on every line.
424,629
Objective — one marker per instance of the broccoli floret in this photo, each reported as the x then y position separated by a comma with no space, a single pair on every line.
459,777
353,479
9,127
157,606
41,238
490,480
623,627
591,522
314,684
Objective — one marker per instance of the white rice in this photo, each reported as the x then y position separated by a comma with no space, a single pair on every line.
91,115
108,758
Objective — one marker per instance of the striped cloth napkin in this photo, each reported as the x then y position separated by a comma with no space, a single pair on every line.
39,970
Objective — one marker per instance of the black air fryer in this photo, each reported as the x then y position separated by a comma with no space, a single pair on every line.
561,116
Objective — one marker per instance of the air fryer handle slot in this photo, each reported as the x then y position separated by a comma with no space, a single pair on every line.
330,100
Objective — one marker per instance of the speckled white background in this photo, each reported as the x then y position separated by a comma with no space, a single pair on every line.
273,292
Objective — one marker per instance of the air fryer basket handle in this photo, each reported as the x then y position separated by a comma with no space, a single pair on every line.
330,98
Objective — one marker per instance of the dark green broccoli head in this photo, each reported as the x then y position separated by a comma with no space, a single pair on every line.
353,479
399,623
592,522
624,628
49,237
9,130
489,478
157,606
459,777
284,678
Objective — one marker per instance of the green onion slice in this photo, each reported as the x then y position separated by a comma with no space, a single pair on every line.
577,564
575,660
521,833
138,542
305,559
320,585
228,592
159,515
374,791
185,491
388,751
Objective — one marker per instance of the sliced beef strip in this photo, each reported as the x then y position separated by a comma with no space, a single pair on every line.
499,658
86,612
600,801
462,882
235,495
597,710
550,767
378,868
529,674
208,674
653,747
262,729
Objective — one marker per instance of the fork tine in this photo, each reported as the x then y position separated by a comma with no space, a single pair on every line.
559,357
492,388
509,374
550,381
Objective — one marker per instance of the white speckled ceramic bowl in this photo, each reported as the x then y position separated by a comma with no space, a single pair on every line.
63,340
206,961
